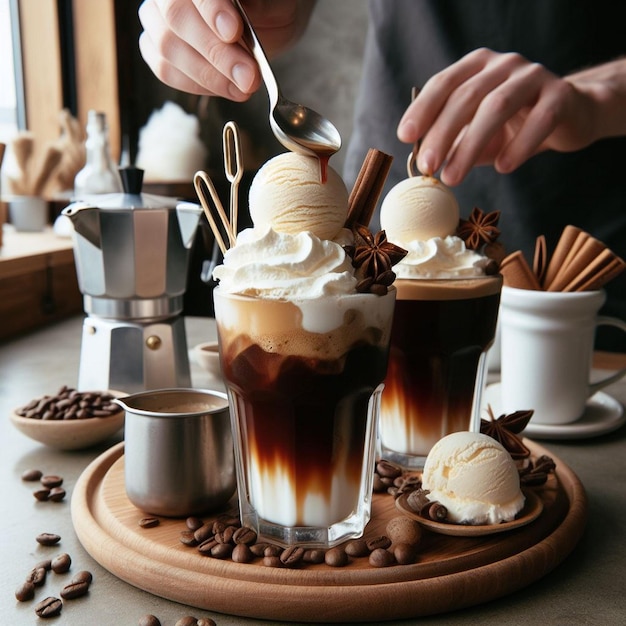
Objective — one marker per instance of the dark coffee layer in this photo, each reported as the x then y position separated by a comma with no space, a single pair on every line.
435,349
305,419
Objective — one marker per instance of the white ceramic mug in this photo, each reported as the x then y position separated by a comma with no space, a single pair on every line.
547,349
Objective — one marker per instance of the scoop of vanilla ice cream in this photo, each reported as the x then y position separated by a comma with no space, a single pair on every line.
474,477
419,208
288,196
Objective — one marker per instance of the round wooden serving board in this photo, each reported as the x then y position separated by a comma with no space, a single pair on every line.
451,572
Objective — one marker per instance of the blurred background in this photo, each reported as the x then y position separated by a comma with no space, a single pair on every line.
73,56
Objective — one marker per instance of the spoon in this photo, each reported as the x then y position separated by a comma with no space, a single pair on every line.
296,127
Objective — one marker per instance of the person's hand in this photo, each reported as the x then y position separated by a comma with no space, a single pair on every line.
501,109
193,45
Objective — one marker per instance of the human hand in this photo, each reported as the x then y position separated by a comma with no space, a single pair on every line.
193,45
496,108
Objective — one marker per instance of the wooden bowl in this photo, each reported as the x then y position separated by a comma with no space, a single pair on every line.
75,434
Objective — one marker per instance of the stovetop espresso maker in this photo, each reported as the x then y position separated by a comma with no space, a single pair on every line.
132,253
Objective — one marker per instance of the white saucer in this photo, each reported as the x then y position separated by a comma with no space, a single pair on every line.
603,414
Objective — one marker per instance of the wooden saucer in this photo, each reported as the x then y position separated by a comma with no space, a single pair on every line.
531,511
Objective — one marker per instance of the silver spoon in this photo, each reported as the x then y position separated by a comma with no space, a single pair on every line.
297,127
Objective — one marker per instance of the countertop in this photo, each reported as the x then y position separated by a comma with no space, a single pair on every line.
587,588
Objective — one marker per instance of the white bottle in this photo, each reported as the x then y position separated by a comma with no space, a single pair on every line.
99,174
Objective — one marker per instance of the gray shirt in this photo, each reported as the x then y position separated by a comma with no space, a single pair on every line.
410,40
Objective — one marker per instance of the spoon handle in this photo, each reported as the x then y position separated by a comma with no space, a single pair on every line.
252,42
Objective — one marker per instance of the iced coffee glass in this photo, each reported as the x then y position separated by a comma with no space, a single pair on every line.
441,332
304,380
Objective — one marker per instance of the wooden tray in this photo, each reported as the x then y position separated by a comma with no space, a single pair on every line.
451,573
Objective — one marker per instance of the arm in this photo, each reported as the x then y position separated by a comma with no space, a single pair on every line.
501,109
193,45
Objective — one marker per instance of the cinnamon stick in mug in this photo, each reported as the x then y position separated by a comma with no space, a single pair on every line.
563,248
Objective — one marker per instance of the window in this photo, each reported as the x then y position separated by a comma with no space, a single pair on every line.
11,92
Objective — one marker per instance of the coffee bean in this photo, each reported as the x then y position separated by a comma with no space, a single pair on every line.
188,620
26,591
221,550
37,576
48,539
388,469
258,549
149,620
49,607
272,561
336,557
272,550
206,621
61,564
315,556
187,538
51,481
206,546
203,533
357,548
292,556
149,522
42,494
405,553
218,526
74,590
381,541
82,577
225,536
193,523
32,474
56,494
244,535
242,553
381,558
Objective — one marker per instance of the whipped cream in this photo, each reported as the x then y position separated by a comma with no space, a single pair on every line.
279,266
440,258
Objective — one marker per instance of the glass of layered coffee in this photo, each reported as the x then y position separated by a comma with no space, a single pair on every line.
448,296
304,381
304,342
441,332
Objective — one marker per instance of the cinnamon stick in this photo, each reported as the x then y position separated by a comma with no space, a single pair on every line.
585,250
517,273
612,269
540,260
563,247
368,187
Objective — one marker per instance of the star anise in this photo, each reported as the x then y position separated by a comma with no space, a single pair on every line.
481,228
374,256
505,429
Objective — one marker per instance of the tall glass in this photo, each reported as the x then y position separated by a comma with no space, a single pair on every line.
441,332
304,381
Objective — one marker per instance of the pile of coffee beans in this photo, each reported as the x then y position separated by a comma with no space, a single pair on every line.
390,478
50,489
70,404
51,606
225,538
